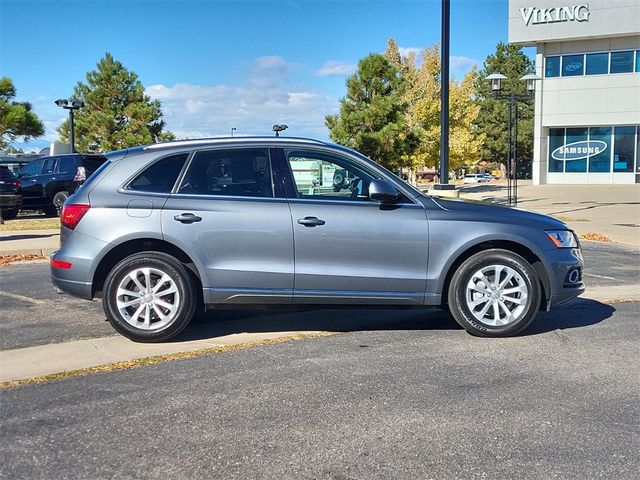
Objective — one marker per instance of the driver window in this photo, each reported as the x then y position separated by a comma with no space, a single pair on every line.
322,176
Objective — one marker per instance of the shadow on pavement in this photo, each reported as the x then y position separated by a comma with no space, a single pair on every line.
228,320
27,237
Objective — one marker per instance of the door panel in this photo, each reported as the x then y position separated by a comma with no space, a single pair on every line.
243,237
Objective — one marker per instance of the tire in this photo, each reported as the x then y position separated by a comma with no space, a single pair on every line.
473,303
141,321
10,214
56,203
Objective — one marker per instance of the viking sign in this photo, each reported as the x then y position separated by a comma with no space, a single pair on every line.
579,150
573,13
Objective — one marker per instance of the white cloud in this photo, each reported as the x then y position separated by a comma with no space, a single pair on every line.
461,63
336,69
266,97
405,51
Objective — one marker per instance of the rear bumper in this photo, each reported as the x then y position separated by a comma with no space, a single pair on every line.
10,201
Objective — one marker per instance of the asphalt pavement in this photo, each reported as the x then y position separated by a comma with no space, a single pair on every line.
401,401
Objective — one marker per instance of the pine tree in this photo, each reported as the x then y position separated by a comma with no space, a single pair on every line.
116,113
492,120
372,116
16,118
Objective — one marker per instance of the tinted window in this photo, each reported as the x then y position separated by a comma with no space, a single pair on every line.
6,174
621,62
556,139
67,164
552,67
578,164
91,164
602,161
160,176
597,63
32,168
623,147
236,172
638,61
328,177
572,65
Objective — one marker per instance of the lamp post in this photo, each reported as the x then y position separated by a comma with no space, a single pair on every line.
70,105
496,79
279,128
233,129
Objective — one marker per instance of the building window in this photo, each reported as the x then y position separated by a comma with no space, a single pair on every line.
597,63
623,149
575,135
552,67
621,62
601,162
572,65
638,61
556,140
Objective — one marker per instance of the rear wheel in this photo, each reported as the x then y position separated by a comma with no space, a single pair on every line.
494,293
149,297
56,203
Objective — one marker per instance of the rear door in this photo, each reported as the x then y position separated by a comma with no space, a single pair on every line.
348,248
32,192
225,213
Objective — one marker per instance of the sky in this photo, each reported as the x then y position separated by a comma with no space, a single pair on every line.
217,65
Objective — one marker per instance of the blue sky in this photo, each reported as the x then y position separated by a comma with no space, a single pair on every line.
216,65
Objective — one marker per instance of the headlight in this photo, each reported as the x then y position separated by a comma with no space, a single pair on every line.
563,238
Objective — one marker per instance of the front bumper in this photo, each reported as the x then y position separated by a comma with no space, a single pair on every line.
565,275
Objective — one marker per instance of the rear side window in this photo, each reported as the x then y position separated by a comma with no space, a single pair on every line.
49,166
238,172
67,164
160,176
32,168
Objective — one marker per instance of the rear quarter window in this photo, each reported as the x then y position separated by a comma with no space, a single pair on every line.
160,176
91,164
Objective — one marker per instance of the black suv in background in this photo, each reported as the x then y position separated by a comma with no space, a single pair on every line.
48,181
10,194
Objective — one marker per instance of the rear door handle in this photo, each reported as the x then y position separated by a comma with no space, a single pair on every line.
311,221
187,218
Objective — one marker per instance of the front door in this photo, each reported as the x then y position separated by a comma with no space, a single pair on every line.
348,248
225,214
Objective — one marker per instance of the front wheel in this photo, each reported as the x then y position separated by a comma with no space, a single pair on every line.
494,293
149,297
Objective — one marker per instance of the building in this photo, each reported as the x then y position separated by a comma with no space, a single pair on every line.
587,104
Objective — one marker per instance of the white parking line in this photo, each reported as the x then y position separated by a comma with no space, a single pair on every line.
22,298
599,276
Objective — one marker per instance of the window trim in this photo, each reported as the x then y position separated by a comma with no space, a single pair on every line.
378,174
187,165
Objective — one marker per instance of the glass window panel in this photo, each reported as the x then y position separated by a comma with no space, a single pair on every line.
579,164
623,149
601,162
638,61
597,63
552,67
160,176
638,151
556,139
239,173
621,62
572,65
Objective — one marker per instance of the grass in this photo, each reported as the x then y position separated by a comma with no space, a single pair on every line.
128,364
31,224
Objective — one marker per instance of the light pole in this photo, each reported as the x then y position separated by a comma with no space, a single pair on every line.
233,129
70,105
279,128
496,79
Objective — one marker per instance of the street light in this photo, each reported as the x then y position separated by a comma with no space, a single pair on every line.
233,129
512,126
279,128
75,105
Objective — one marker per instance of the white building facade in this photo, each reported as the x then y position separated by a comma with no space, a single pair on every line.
587,103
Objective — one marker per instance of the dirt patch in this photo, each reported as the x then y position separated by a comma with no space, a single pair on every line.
595,237
6,260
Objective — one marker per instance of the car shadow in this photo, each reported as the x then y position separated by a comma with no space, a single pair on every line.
232,320
5,238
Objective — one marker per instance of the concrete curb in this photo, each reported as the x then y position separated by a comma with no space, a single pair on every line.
29,362
45,252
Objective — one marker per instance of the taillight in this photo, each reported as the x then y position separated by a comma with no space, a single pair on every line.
60,264
81,175
16,183
72,214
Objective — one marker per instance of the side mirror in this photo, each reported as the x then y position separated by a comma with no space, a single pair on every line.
383,191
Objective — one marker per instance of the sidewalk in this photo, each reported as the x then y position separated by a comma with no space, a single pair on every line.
20,242
609,210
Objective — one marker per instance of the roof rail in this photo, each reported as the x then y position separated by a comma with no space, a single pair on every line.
214,140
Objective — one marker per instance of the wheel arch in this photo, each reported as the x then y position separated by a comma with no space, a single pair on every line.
139,245
518,248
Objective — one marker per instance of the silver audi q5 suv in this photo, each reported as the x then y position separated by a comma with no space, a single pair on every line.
162,230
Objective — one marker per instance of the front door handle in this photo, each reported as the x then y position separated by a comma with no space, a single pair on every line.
311,221
187,218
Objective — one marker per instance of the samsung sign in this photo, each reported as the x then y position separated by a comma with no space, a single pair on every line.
573,13
579,150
